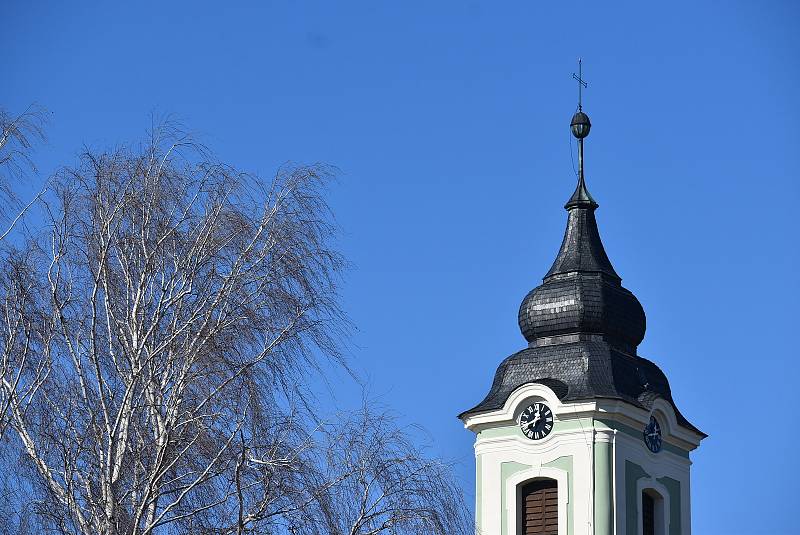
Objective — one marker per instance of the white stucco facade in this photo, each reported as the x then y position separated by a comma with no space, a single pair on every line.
596,455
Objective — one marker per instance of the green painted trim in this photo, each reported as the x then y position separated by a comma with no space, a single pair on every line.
507,470
603,489
582,424
633,473
515,431
637,434
565,464
603,474
510,468
674,489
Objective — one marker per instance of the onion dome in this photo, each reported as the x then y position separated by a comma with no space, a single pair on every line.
582,326
582,293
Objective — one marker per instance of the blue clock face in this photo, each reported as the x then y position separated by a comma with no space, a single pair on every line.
536,421
652,435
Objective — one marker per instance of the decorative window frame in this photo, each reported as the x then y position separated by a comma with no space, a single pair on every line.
650,483
513,490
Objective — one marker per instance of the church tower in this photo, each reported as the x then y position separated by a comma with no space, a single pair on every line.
579,435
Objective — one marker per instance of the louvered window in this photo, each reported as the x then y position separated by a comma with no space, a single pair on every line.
648,514
540,508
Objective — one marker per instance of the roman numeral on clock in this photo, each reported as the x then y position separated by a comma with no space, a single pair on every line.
536,421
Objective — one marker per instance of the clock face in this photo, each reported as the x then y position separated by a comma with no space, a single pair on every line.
536,421
652,435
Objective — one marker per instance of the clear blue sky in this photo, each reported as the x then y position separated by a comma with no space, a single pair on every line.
449,122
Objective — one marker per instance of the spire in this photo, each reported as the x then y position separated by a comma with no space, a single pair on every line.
581,249
581,294
580,126
581,197
582,326
581,83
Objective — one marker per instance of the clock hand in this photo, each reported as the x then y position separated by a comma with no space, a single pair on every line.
528,424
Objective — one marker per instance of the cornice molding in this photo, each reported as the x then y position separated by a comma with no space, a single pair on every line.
602,408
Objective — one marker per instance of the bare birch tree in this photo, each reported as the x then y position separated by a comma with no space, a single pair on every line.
17,136
162,328
385,484
18,133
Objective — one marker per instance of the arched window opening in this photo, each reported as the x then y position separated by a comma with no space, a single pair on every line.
652,513
539,508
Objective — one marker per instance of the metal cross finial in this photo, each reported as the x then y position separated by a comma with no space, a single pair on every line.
581,82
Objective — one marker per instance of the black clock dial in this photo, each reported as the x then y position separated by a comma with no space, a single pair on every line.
652,435
536,421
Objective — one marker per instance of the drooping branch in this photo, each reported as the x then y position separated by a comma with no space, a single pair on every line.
163,328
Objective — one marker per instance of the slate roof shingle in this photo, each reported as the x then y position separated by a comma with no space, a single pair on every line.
583,328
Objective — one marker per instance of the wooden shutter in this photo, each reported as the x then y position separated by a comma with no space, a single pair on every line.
648,514
540,508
